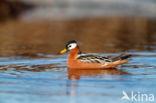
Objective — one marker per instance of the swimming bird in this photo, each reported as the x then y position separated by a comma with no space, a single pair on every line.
80,60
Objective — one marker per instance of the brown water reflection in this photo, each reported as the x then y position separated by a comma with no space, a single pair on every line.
75,74
113,34
31,68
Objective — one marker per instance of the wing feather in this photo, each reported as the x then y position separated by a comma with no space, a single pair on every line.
92,58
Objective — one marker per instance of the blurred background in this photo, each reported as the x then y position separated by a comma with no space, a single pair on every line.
29,27
33,31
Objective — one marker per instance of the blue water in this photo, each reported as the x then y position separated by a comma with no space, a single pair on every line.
46,80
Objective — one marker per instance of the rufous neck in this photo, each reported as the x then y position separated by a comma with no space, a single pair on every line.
74,52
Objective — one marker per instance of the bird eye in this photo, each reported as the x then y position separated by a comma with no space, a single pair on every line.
69,46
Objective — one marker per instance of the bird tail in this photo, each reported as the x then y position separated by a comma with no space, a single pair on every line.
121,57
117,63
126,56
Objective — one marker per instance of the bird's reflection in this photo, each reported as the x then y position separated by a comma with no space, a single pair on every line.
75,74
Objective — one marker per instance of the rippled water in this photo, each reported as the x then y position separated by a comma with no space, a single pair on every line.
30,72
46,79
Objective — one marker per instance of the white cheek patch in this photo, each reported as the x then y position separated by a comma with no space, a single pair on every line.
73,45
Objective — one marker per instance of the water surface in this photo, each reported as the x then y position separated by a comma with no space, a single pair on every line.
46,79
33,31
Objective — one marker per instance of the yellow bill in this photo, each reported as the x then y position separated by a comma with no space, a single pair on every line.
63,51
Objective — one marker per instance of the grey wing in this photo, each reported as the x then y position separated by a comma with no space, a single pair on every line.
92,58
